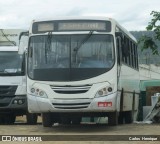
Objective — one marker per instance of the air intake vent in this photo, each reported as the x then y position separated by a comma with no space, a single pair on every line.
71,105
71,89
6,94
7,91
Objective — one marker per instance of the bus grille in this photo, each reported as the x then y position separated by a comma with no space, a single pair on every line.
71,105
71,89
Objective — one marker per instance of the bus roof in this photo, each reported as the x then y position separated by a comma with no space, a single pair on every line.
75,18
8,48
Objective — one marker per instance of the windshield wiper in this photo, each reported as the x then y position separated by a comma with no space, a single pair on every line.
48,44
84,41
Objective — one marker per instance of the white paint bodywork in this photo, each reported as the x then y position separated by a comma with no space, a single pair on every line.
96,82
9,48
10,34
13,80
128,81
19,81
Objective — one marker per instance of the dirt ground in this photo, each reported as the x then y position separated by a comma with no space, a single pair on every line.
94,131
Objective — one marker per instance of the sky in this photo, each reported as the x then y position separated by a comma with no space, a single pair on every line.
134,15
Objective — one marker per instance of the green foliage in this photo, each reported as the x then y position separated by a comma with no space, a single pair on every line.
153,25
148,42
146,56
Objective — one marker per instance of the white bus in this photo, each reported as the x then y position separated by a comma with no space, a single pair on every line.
82,66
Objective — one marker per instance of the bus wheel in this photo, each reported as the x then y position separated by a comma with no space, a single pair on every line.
9,119
1,120
113,118
128,117
31,118
120,118
65,120
156,119
76,120
47,119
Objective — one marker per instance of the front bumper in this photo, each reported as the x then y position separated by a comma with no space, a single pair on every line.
101,104
7,103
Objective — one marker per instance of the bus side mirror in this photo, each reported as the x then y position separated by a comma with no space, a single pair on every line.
26,33
23,40
21,48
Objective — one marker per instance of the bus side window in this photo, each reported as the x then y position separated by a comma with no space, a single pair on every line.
136,57
119,53
124,50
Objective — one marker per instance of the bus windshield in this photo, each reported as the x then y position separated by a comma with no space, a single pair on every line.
70,57
11,63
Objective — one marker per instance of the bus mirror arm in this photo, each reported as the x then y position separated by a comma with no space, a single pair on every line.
24,33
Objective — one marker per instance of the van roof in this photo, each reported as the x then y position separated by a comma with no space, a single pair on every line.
8,48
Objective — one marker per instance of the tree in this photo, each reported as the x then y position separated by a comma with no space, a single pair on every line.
153,25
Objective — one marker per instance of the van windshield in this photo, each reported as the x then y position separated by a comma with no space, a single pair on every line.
11,63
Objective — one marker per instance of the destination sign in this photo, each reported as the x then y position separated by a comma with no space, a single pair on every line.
81,26
42,27
71,25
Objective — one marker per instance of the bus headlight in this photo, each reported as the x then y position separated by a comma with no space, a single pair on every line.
38,92
104,91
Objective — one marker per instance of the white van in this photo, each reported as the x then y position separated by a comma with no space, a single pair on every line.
13,99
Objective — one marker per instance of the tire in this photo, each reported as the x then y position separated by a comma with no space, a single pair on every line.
128,117
76,120
121,113
9,119
55,118
156,119
120,118
65,120
31,118
1,121
47,120
113,119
